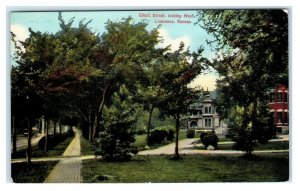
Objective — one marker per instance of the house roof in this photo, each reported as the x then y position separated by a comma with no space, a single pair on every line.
208,98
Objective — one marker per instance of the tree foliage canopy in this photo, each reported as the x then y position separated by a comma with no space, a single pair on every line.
93,77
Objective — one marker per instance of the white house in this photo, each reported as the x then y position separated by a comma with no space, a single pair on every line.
203,117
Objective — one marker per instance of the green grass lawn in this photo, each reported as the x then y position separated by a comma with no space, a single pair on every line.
86,147
278,145
35,172
58,150
140,141
191,168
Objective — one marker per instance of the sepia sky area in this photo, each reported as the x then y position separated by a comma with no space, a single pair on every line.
175,26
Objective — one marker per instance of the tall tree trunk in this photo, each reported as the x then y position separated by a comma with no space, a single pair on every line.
99,114
177,136
90,132
14,135
46,136
28,152
253,118
149,124
249,149
90,126
54,128
59,128
86,120
95,128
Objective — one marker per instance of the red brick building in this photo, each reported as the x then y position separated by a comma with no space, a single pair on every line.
279,106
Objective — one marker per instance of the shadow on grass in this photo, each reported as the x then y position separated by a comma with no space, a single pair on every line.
35,172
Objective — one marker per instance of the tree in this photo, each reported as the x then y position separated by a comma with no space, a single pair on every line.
31,58
49,68
125,48
74,72
119,54
253,58
117,136
178,69
149,97
244,130
149,92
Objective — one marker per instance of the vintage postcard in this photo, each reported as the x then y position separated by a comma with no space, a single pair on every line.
139,96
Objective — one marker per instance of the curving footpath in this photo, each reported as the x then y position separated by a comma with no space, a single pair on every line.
185,146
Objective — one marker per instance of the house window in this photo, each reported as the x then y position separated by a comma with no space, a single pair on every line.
279,97
193,124
285,97
279,117
195,112
207,109
208,122
286,117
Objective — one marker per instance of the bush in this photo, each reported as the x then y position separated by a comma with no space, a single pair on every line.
115,147
157,136
190,133
116,138
141,131
209,139
170,135
202,135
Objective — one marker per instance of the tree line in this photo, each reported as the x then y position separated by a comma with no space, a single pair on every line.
97,79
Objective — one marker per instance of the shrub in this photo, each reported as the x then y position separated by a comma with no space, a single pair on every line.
190,133
157,136
202,135
170,135
116,139
209,139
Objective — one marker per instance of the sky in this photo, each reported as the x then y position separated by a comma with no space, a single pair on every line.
175,26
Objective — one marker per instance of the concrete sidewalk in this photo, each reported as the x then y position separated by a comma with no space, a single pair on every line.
68,168
187,146
22,141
